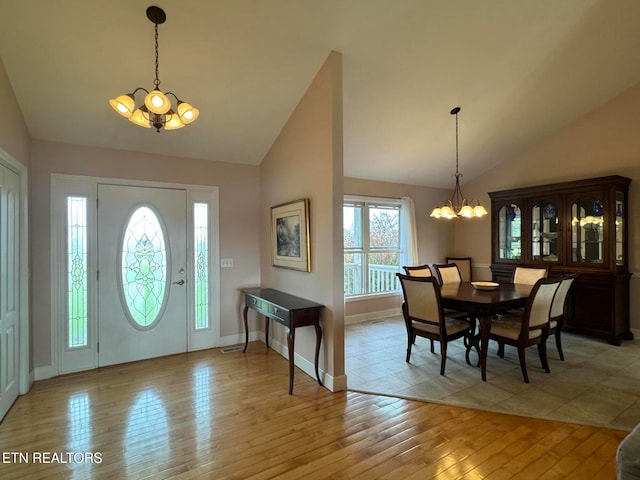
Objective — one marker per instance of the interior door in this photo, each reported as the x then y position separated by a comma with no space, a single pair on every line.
9,288
142,295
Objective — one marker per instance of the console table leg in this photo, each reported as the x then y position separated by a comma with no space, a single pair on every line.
266,331
318,342
291,338
246,329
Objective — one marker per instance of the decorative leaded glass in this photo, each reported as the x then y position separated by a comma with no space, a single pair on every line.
201,261
144,267
77,272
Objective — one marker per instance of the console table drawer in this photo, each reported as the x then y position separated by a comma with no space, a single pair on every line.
256,303
278,313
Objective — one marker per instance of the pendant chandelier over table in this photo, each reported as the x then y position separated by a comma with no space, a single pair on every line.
457,205
156,109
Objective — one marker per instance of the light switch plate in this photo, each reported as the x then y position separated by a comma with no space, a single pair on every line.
226,262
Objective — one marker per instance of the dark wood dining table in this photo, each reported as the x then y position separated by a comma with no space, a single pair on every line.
483,305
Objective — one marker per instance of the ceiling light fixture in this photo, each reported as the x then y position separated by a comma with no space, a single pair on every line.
457,205
156,110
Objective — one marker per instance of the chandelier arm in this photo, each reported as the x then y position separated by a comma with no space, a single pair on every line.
138,89
173,95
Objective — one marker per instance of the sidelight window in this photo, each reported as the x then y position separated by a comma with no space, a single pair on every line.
201,263
77,254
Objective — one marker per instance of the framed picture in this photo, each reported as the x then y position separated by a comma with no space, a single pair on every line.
290,235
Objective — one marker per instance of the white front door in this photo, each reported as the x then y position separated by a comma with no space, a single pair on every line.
9,288
142,262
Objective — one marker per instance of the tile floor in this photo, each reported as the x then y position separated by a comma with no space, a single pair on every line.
597,384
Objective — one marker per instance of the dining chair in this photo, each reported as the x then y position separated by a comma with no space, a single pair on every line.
531,327
418,271
464,266
558,309
424,317
447,273
529,275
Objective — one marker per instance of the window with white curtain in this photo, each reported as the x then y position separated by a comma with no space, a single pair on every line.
372,245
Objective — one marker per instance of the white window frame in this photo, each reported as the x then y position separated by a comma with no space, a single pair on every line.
367,202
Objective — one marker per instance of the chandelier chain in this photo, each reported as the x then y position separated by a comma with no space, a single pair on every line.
156,82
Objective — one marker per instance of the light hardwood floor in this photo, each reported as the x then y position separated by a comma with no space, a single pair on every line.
228,415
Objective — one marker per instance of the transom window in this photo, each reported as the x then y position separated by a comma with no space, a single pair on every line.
371,246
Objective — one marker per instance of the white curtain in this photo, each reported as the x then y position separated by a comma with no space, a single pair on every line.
408,235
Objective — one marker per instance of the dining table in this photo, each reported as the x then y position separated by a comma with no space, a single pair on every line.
483,302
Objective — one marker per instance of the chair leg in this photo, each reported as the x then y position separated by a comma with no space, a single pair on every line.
542,353
443,354
523,364
411,338
501,349
432,347
559,345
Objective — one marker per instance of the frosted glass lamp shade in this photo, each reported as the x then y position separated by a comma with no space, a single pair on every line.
124,105
139,117
173,121
479,211
188,114
157,102
466,211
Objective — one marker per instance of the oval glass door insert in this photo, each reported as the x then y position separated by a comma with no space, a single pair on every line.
144,268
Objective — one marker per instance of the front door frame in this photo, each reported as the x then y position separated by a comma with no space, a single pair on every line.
64,185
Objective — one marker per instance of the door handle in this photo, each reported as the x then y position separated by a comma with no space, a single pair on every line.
181,282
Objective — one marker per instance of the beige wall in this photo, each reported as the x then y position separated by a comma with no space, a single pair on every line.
435,238
14,136
305,161
239,198
603,142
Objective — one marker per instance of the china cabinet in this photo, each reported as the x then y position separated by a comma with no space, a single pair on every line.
578,226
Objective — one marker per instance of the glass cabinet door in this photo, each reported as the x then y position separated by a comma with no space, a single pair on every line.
545,231
510,232
620,233
587,230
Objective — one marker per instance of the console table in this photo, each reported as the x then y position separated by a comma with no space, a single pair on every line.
290,311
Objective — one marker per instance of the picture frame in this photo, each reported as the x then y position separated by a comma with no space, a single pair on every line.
290,235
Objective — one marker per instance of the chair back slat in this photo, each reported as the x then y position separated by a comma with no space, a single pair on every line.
559,301
421,298
539,303
529,275
418,271
448,273
464,266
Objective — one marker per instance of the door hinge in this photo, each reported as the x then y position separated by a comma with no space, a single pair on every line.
98,347
97,275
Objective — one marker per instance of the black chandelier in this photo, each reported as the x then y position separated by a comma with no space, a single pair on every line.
457,205
156,109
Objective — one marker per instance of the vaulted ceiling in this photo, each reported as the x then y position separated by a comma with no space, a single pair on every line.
520,70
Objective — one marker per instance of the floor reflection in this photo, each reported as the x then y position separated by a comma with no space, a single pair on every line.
202,404
147,432
79,431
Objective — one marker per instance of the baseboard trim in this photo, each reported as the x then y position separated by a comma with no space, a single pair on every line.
369,316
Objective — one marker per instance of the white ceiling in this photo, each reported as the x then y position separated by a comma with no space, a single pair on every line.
520,69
